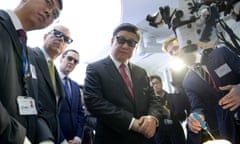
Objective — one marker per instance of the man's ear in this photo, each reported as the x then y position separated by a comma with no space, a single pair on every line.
45,36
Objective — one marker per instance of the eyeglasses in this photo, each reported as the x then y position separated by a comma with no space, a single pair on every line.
122,40
50,5
69,58
59,34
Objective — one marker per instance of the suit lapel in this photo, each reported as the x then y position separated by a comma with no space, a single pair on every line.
43,66
12,32
59,87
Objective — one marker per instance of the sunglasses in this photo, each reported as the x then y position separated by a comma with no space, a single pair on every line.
122,40
69,58
59,34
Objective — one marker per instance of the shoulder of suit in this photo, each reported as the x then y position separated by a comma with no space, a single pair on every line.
101,61
3,15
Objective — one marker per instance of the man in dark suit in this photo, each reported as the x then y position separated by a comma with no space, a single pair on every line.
202,97
71,114
50,89
119,94
18,108
170,130
223,64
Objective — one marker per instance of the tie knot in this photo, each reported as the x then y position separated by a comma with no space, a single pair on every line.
122,66
22,35
66,78
50,62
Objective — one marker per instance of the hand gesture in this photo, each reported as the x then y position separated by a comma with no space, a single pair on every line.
194,124
231,100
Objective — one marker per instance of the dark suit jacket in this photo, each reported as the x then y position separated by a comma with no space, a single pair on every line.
47,96
230,63
202,98
13,126
172,133
108,98
71,115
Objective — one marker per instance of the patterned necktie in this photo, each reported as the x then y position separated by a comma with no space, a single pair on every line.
52,73
126,78
23,40
67,89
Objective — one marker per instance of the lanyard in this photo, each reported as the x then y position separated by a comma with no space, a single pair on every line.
24,60
25,67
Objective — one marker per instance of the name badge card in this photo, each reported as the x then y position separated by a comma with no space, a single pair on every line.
26,105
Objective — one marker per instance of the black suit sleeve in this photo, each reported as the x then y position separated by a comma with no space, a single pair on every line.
11,131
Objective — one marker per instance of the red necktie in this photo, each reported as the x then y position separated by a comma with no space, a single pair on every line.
126,78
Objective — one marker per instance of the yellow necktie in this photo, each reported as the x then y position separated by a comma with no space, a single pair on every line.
52,73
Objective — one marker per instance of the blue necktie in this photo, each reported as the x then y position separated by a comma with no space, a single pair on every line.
67,89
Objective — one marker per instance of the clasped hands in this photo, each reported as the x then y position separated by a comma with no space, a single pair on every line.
145,125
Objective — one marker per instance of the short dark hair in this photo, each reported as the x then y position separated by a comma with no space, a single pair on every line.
72,50
60,4
127,27
156,77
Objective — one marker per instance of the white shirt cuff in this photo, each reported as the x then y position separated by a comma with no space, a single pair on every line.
78,139
130,126
26,141
64,142
47,142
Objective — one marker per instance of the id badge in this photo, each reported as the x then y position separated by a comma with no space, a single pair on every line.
26,105
223,70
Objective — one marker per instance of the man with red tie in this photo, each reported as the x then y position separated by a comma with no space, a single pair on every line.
119,94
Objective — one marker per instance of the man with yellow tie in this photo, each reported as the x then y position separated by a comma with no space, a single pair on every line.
50,89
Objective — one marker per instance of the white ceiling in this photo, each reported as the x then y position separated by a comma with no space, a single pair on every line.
150,54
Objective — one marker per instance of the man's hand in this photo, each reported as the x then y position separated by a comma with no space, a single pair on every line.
193,124
148,126
136,126
231,100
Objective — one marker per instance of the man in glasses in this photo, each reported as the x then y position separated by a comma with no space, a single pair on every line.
119,94
71,114
50,89
19,122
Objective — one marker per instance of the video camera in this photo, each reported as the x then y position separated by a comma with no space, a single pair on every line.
198,21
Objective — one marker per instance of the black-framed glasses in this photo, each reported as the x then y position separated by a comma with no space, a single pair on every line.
122,40
59,34
50,4
70,58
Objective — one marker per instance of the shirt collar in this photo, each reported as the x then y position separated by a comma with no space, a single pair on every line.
62,76
47,57
117,63
15,20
